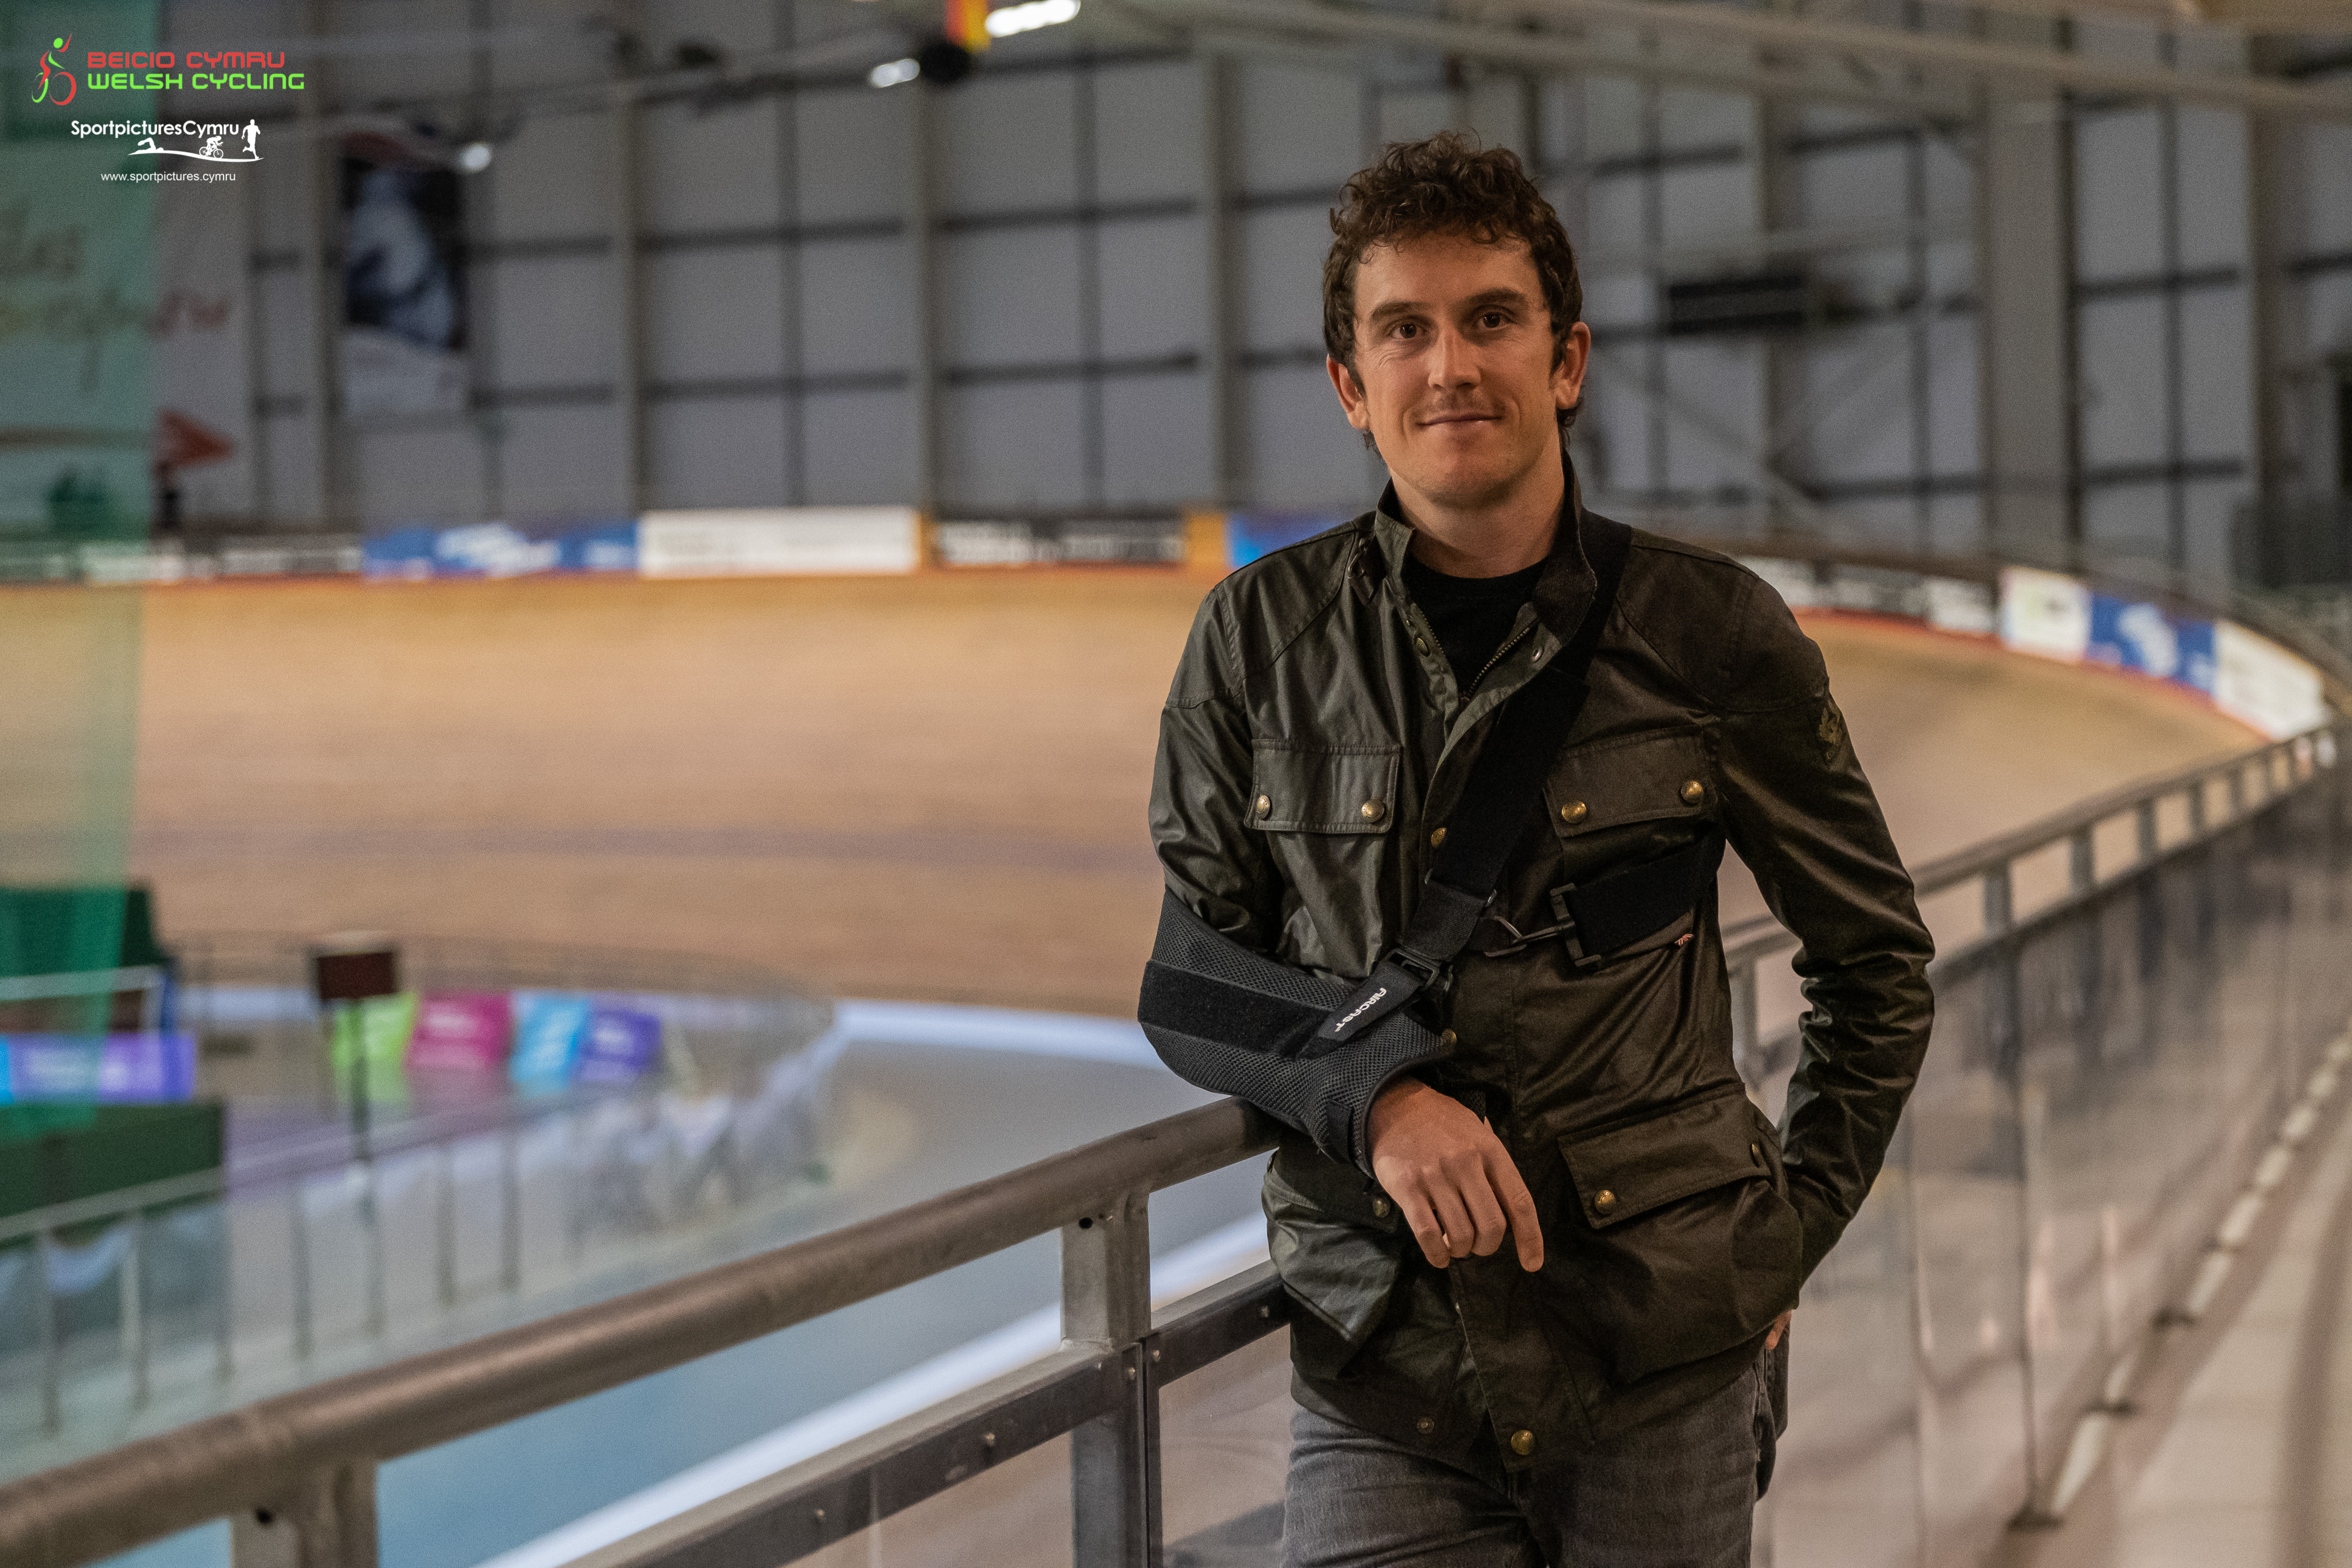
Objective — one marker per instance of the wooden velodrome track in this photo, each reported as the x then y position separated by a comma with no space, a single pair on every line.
928,787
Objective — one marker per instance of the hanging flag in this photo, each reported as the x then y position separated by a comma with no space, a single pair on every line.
968,23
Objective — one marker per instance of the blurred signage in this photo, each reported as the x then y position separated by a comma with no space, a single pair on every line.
117,1069
1249,535
1111,542
780,541
501,550
461,1031
404,328
2259,683
2044,613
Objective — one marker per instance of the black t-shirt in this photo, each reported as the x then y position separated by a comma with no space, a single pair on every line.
1471,615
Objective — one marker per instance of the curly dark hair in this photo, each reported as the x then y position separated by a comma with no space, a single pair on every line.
1449,185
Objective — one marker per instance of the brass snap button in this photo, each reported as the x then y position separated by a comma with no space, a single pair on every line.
1694,792
1421,645
1756,1153
1447,1037
1437,838
1426,1425
1265,805
1373,810
1379,1208
1523,1442
1574,811
1605,1200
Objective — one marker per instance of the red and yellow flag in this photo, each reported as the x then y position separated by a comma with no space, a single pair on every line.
968,23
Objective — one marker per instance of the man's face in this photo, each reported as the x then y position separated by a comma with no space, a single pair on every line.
1454,372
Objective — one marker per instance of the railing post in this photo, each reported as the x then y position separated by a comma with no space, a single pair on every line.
2000,907
2144,816
1114,1459
223,1290
509,1215
133,1315
298,1267
2081,862
445,1227
329,1523
45,1325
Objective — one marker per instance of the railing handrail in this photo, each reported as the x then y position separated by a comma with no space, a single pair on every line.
243,1458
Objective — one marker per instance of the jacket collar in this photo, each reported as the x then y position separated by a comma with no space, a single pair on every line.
1568,581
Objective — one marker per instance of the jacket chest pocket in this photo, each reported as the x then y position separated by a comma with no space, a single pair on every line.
1692,1244
1324,789
1639,779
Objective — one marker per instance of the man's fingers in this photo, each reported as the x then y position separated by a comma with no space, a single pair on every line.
1460,1233
1488,1225
1423,1225
1521,1206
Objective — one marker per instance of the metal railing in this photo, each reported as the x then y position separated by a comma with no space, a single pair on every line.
1988,1184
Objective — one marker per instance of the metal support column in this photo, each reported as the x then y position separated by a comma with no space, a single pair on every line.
1219,346
923,237
628,297
322,172
2276,166
1114,1459
329,1523
2025,323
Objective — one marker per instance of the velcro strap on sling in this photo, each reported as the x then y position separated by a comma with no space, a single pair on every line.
1599,917
1485,822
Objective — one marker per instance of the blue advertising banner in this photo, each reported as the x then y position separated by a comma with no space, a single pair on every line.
2135,636
1249,535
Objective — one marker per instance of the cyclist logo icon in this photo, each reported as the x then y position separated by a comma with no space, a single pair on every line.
52,74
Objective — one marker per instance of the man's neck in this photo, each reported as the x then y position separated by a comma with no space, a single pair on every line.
1488,541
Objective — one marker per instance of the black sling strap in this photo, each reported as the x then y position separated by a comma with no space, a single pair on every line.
1486,823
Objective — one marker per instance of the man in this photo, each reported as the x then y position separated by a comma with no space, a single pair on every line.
1541,1249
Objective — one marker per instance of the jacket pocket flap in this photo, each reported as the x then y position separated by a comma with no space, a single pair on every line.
1640,779
1631,1170
1324,789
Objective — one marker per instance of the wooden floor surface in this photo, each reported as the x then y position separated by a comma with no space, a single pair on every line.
931,787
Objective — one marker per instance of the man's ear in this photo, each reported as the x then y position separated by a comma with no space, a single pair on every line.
1351,394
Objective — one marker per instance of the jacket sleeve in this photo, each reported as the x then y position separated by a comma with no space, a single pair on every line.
1804,818
1220,1011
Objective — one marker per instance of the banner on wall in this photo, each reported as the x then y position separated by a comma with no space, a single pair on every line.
120,1068
404,333
2045,612
2259,683
768,541
204,397
2135,636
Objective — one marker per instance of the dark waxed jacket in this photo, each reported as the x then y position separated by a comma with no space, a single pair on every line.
1314,738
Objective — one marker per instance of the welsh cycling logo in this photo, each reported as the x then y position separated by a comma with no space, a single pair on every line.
52,74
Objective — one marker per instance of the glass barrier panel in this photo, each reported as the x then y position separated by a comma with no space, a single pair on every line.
1224,1446
1013,1515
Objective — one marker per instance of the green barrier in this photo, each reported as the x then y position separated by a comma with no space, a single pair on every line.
56,1153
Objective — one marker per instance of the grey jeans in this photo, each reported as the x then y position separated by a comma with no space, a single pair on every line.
1677,1492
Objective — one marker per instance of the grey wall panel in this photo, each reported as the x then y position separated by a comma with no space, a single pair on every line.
1724,384
2212,154
1853,186
1013,445
550,180
714,313
360,75
853,154
1858,404
1878,277
716,451
2217,390
2127,519
1614,427
541,304
1688,117
1154,299
1155,441
280,191
1010,296
2327,190
1008,142
1613,117
289,455
1709,203
1409,114
2118,194
1885,522
1952,397
1496,110
860,448
1297,129
2211,507
417,474
2123,380
1282,278
1617,204
561,462
1955,525
1146,131
285,333
1302,452
856,311
715,170
1950,181
735,26
1951,268
1618,298
2328,312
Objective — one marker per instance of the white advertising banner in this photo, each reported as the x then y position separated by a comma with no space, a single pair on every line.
2045,612
780,541
2259,683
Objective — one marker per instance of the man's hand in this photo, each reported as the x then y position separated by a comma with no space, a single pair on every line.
1779,1327
1451,1175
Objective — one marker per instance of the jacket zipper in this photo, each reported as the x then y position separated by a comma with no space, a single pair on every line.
1508,643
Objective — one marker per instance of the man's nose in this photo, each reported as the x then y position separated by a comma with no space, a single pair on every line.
1451,364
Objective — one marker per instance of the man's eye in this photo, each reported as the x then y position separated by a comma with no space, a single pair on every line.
1407,329
1492,319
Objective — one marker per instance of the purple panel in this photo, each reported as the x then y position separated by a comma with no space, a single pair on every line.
623,1045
